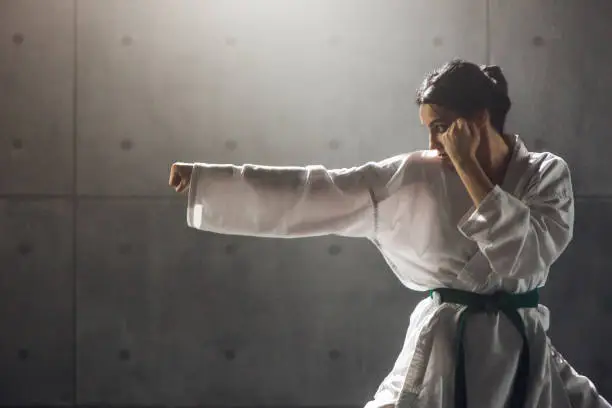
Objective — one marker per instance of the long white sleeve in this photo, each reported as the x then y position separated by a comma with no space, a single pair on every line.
522,237
289,202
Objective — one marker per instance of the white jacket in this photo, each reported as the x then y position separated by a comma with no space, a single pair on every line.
418,213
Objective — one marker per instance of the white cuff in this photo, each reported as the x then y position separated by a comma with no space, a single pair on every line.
478,221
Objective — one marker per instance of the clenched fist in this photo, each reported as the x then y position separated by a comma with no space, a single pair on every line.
461,140
180,176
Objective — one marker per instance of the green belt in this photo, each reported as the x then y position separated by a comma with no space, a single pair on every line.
507,303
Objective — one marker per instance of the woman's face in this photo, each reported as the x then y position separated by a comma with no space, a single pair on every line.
437,120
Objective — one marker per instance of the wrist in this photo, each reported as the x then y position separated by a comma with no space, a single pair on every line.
465,161
476,181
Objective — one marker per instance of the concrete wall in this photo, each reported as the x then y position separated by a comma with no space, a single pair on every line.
106,297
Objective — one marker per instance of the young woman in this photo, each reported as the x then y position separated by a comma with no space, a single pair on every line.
476,221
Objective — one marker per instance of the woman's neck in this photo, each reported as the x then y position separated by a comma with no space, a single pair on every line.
499,155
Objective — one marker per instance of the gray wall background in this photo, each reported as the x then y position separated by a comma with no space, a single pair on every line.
106,298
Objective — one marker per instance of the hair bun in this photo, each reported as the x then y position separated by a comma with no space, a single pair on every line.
496,76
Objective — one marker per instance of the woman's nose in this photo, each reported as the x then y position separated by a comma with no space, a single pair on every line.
434,143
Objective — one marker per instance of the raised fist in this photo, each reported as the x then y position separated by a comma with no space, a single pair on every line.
180,176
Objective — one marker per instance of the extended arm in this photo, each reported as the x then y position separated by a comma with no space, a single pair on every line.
289,202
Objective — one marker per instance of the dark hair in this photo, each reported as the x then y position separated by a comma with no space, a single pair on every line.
466,88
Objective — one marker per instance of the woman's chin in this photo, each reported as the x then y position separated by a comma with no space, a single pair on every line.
443,159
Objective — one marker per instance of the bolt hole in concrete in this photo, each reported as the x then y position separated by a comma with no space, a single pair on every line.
231,249
231,145
18,38
229,355
538,41
334,354
23,354
124,355
24,248
334,249
334,144
126,144
126,41
17,143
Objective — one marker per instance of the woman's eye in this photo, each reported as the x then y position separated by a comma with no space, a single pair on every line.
441,128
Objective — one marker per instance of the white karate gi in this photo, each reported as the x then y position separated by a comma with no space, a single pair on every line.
420,216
